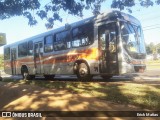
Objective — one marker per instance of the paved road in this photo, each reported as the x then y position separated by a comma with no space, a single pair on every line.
150,74
147,75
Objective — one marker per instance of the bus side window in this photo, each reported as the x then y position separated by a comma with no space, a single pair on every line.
7,53
23,49
62,41
76,43
82,35
69,44
48,43
30,47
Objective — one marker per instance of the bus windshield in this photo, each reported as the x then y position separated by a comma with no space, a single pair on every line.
133,41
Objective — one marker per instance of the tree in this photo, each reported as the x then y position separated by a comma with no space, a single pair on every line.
50,11
1,62
148,49
158,48
152,48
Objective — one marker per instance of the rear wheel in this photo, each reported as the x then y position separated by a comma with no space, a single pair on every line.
83,72
25,74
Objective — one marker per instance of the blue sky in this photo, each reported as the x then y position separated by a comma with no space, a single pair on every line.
17,28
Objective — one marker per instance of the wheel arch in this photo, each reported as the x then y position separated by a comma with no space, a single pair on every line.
24,67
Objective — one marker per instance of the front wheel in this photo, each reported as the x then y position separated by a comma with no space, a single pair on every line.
83,72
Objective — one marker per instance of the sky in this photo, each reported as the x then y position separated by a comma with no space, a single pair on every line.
17,28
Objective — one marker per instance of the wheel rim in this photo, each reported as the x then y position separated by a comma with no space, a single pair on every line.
25,74
83,72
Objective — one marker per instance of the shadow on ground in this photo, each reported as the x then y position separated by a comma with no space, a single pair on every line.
59,97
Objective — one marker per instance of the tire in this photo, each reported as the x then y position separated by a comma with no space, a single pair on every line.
106,77
25,74
1,79
83,72
49,77
139,70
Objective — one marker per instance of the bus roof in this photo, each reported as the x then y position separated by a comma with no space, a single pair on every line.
108,15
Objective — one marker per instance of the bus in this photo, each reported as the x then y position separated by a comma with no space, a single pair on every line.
108,44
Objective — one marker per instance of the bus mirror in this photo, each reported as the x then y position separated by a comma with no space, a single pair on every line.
2,39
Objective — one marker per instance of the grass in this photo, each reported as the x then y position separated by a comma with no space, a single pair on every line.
153,64
153,67
142,95
1,68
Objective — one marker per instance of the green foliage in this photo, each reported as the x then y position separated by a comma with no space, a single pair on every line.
152,48
51,11
1,62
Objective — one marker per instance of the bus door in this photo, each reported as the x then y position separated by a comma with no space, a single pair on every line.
107,35
38,53
13,60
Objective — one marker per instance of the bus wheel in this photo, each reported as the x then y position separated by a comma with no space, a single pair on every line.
106,77
25,74
49,77
83,72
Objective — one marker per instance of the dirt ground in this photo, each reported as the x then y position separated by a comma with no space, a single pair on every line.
21,97
28,97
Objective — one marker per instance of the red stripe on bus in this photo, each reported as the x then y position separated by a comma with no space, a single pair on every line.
89,54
